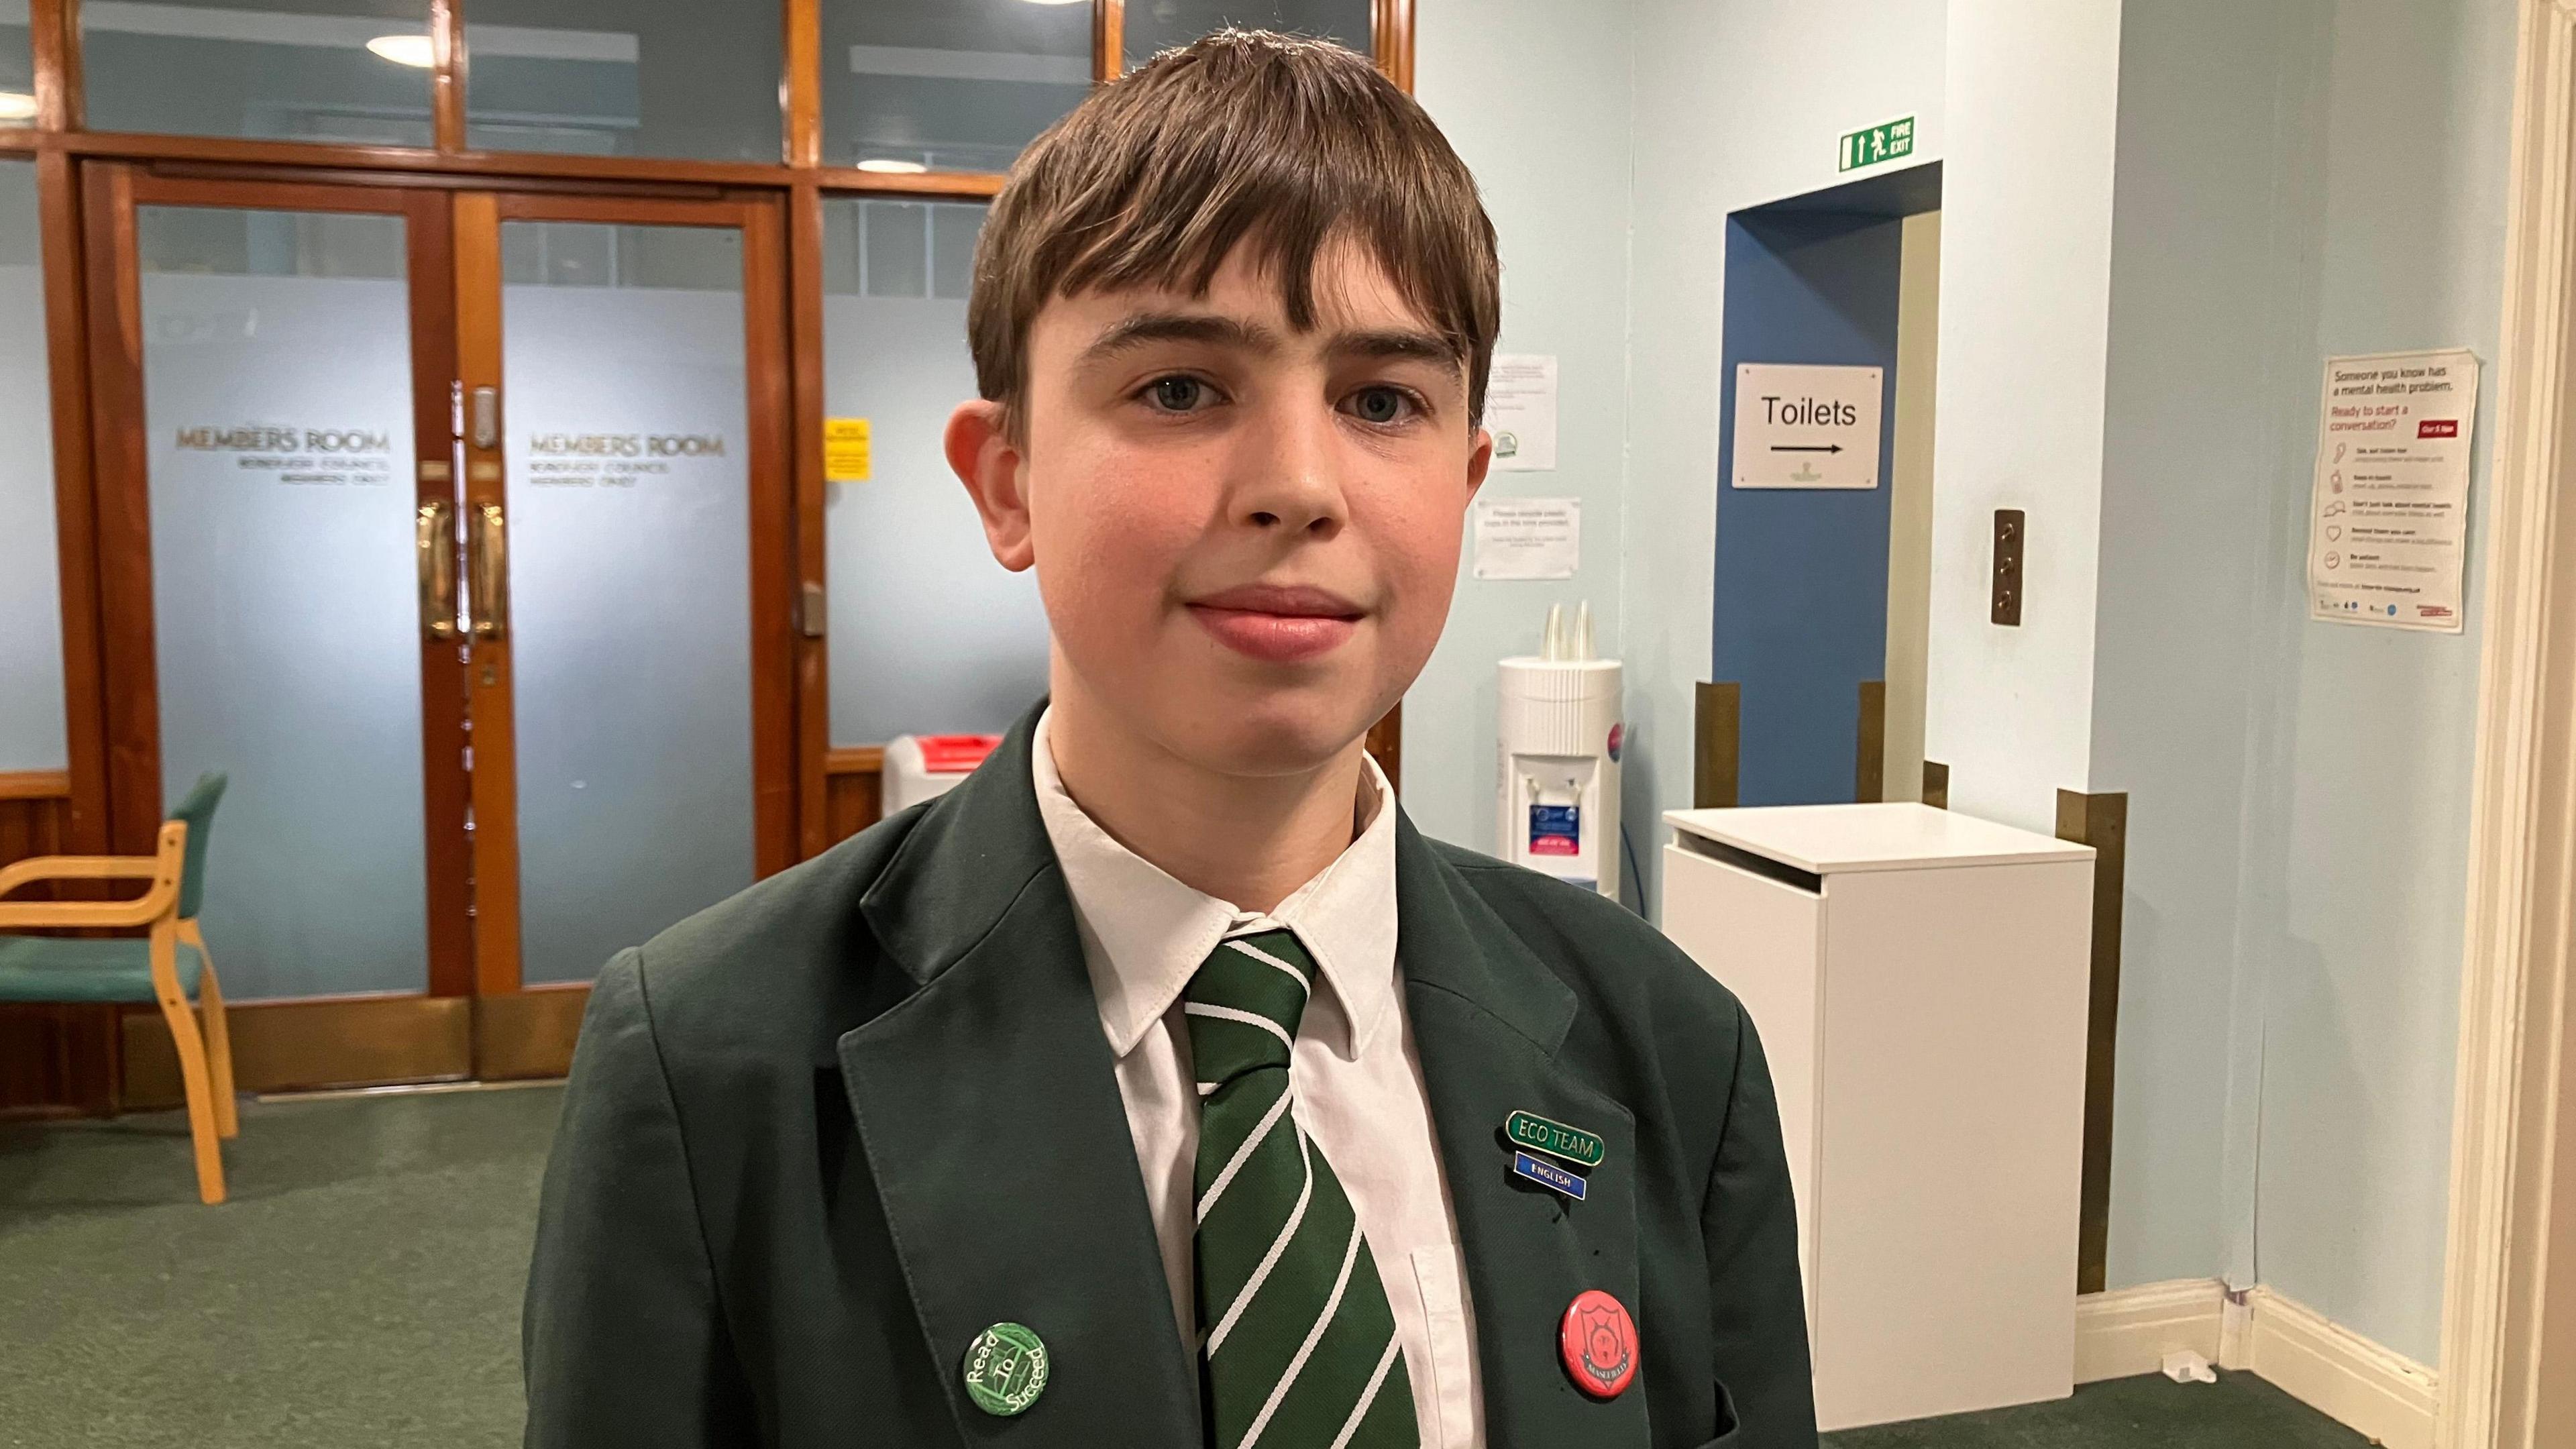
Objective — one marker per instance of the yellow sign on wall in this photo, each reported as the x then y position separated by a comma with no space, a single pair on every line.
845,450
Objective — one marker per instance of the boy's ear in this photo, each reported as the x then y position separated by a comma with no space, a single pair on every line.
989,463
1480,460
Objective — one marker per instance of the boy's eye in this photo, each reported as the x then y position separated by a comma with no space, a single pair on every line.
1177,394
1381,405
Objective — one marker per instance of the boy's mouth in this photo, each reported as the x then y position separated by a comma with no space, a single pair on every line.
1278,623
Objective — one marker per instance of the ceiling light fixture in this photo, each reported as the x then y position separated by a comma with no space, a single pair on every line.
410,50
17,106
889,166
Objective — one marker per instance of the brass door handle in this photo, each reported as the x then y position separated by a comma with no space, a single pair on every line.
491,573
434,540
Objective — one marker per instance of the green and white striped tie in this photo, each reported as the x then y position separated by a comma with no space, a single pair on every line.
1298,1347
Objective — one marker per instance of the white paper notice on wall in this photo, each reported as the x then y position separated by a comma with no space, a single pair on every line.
1806,427
2388,510
1529,538
1520,411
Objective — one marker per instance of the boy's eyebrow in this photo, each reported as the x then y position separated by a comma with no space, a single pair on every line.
1144,328
1398,342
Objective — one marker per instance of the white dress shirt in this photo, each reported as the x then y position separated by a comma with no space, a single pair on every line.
1356,1078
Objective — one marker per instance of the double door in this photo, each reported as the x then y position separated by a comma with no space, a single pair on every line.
456,529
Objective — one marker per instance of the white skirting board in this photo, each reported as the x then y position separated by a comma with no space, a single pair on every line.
2380,1394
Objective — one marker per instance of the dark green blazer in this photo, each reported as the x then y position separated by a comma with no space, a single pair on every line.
820,1136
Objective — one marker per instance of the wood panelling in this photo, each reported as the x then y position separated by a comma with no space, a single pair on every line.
58,201
46,785
805,409
118,448
1717,731
1392,42
339,1041
53,36
1386,746
2101,821
1108,39
528,1034
855,792
447,76
775,645
54,1059
803,83
1869,764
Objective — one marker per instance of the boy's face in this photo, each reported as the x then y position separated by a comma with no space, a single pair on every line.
1246,535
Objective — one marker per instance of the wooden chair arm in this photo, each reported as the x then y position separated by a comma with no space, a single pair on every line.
74,867
160,900
69,915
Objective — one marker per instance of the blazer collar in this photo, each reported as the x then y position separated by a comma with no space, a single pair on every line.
988,1105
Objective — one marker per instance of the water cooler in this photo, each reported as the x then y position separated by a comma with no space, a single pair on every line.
1560,735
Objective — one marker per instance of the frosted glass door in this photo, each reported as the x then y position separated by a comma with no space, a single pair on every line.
277,379
629,527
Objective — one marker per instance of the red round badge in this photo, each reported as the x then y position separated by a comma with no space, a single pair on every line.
1598,1341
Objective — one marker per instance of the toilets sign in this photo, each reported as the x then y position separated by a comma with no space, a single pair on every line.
1806,427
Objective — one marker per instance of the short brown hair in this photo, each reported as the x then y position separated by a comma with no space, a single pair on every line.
1242,136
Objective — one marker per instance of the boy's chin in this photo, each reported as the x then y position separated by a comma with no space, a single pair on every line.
1268,735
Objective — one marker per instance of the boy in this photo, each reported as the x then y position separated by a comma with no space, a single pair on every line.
1160,1085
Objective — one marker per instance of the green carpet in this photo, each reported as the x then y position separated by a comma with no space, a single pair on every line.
2240,1411
362,1289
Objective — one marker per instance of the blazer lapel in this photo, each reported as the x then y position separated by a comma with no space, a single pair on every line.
1488,1017
989,1107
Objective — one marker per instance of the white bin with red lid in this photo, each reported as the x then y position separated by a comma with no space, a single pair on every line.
925,767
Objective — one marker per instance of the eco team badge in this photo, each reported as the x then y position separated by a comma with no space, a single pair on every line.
1006,1369
1554,1138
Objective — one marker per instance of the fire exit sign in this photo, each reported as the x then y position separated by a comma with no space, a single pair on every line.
1883,142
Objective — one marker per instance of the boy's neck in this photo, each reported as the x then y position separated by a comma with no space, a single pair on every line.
1249,841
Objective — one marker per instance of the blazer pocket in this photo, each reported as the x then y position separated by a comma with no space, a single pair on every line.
1726,1421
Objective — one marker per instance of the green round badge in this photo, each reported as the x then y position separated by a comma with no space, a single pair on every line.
1006,1369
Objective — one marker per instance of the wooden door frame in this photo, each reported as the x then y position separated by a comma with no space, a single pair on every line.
122,525
2508,1353
778,744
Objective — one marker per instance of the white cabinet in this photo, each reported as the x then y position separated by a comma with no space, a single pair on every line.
1919,980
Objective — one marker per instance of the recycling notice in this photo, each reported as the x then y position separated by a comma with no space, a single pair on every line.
2388,516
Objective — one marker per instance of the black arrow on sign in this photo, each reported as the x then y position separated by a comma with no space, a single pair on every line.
1806,447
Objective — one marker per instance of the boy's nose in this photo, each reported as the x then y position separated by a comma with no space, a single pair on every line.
1291,480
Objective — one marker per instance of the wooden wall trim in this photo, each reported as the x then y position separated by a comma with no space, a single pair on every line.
285,1046
36,785
58,193
2101,821
803,83
529,1033
1392,43
1108,39
447,76
53,33
805,409
854,760
1717,728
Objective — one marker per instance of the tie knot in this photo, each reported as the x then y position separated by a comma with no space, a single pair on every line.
1244,1005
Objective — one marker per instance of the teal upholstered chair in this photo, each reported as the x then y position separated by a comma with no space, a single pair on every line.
167,965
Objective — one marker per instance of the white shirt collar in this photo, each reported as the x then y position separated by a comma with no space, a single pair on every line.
1145,934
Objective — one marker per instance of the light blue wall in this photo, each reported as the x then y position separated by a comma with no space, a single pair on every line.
1720,123
2356,899
2294,182
1534,94
2284,182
